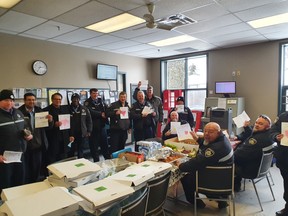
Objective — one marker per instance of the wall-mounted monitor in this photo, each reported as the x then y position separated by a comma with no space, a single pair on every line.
225,87
106,72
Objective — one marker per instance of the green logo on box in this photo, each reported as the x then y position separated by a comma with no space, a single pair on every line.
131,175
101,188
79,164
145,165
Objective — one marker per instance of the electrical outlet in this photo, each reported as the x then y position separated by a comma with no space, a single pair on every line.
233,73
238,73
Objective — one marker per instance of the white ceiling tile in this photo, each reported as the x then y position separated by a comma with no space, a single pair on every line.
239,27
158,35
119,45
221,23
98,41
50,29
88,14
207,25
19,22
263,11
47,9
207,12
240,5
77,35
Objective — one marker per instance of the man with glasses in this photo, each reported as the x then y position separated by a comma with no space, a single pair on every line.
248,154
58,139
39,144
281,155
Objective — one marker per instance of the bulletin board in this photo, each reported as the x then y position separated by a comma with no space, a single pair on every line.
106,95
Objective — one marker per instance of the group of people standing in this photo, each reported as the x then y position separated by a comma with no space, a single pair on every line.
41,146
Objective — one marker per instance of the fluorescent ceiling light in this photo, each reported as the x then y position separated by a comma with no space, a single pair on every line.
116,23
268,21
8,3
173,40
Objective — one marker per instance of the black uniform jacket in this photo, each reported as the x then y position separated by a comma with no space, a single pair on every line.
217,153
96,108
116,122
281,152
11,131
140,122
39,140
248,154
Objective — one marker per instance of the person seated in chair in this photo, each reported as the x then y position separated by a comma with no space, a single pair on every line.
248,154
185,114
214,150
167,132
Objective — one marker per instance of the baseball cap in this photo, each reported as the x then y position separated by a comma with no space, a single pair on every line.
180,99
75,95
6,94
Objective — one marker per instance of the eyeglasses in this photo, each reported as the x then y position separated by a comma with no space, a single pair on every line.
265,117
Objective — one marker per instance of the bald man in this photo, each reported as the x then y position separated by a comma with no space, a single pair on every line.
248,155
214,150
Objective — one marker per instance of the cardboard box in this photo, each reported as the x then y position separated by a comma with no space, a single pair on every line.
74,169
74,182
23,190
133,176
53,201
102,193
180,145
132,156
157,167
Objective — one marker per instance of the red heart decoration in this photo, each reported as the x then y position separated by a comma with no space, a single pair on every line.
186,132
286,133
123,113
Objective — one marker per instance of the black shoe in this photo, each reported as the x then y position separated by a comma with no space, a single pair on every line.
222,204
283,212
200,204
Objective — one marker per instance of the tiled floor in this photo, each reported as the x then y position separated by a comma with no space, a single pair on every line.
246,201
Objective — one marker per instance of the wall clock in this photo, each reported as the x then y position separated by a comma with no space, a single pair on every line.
39,67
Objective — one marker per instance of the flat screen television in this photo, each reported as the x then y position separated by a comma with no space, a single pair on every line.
106,72
225,87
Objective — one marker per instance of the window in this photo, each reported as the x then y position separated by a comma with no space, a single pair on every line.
188,74
283,102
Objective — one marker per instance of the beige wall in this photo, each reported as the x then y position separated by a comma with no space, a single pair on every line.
259,73
68,66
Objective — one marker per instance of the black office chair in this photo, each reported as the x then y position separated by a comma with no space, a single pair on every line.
215,181
262,173
158,188
137,207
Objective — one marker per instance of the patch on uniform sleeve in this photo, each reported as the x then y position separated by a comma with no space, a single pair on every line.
252,141
209,152
277,118
86,103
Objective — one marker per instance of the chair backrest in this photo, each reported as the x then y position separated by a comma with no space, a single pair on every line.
158,188
265,164
215,180
137,207
115,154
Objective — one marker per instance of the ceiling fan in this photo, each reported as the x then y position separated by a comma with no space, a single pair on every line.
167,23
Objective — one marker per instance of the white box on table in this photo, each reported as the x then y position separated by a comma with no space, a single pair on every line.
24,190
133,176
74,169
50,202
102,193
157,167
